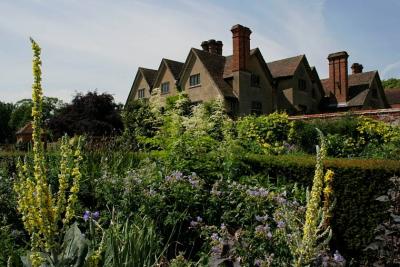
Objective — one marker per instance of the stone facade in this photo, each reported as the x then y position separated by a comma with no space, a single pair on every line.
247,84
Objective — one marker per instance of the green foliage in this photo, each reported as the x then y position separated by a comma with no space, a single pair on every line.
140,124
391,83
6,132
132,243
385,248
22,112
265,134
351,137
357,183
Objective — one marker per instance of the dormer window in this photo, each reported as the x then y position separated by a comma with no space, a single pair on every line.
194,80
165,88
141,93
255,80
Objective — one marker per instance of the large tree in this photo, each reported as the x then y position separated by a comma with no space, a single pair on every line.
91,114
6,132
22,112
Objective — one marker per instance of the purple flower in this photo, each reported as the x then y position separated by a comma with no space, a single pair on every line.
261,218
338,258
193,224
86,215
223,226
215,237
281,224
95,215
199,219
216,250
257,262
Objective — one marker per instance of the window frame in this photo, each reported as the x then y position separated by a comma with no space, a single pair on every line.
194,78
162,88
141,93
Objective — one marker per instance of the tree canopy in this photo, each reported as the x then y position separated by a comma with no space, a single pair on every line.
91,114
391,83
6,132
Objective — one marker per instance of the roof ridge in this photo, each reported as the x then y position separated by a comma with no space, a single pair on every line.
301,55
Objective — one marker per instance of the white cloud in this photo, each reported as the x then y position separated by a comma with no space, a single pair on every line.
391,70
100,44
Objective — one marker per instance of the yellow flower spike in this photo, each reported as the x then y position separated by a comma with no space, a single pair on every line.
40,210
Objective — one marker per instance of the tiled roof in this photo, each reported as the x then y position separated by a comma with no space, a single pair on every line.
358,99
215,65
358,87
364,78
228,63
393,95
27,129
175,67
284,67
149,75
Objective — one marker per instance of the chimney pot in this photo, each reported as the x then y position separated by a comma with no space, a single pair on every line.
204,45
357,68
212,46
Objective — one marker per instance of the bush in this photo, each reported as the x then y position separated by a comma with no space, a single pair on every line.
356,185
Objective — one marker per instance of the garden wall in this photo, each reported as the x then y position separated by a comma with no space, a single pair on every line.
391,115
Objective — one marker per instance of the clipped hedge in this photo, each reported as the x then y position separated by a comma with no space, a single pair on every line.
357,183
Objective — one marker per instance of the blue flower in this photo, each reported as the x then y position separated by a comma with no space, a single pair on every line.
86,215
95,215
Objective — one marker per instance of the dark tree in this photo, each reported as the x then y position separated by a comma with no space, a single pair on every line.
92,114
6,132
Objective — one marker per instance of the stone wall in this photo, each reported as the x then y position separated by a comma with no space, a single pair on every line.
391,115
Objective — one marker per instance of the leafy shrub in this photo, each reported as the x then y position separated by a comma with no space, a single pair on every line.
265,134
356,185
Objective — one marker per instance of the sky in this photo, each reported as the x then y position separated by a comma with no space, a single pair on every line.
99,44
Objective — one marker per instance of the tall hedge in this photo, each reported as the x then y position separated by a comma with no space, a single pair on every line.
357,184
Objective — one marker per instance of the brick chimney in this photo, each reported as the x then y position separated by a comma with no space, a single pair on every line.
338,75
219,47
357,68
241,47
212,46
204,45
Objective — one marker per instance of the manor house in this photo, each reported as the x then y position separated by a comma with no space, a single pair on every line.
250,85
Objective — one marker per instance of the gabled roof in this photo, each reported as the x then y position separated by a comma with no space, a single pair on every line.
359,85
27,129
393,95
215,66
149,75
175,67
284,67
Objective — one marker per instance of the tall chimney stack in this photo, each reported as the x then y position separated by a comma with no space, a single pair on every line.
357,68
241,47
338,75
